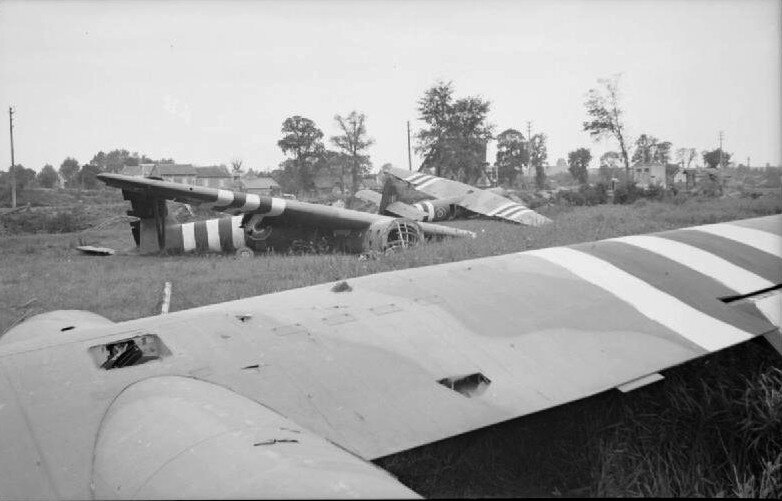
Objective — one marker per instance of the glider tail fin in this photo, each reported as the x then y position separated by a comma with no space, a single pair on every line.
152,213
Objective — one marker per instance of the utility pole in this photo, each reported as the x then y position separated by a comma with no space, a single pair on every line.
721,136
409,158
529,148
13,169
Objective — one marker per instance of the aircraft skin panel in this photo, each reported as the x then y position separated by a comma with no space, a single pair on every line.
742,255
403,359
759,239
690,290
770,224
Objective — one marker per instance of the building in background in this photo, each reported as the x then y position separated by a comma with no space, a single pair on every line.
260,186
175,173
214,176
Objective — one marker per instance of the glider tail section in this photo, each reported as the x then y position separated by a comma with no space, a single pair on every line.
156,230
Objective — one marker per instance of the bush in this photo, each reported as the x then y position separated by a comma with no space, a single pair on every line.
33,221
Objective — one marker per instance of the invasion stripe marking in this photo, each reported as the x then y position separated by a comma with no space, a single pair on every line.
429,211
213,234
725,272
426,184
690,287
761,240
743,256
201,236
516,213
224,199
770,224
509,210
424,178
771,307
251,203
225,225
414,177
278,206
188,237
500,208
701,329
237,232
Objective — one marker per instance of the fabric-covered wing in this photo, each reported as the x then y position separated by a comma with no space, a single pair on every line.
493,205
409,357
433,186
480,201
279,211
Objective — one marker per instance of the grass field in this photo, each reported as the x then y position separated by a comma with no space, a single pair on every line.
713,427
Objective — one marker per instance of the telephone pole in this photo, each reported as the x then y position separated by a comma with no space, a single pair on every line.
409,158
13,169
721,136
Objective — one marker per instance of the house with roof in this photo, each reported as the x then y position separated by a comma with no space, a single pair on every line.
141,170
648,174
260,186
175,173
214,176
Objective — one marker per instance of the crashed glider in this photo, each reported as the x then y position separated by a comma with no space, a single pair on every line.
293,394
263,223
449,195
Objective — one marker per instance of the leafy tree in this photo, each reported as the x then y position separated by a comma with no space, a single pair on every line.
354,142
578,161
605,115
610,163
538,153
337,164
649,149
302,139
685,156
48,177
716,158
115,160
69,170
87,176
512,155
662,153
454,144
23,178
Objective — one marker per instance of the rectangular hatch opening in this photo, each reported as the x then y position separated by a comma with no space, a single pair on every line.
471,385
129,352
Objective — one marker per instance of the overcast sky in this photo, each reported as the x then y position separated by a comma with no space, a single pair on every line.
207,81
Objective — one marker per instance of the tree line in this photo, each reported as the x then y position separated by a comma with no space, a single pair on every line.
452,143
605,121
75,175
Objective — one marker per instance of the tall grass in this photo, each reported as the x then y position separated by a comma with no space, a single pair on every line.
711,428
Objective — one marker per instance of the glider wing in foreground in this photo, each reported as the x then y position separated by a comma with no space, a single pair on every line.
291,394
448,193
264,222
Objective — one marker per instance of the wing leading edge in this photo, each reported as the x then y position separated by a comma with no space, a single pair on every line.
414,356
